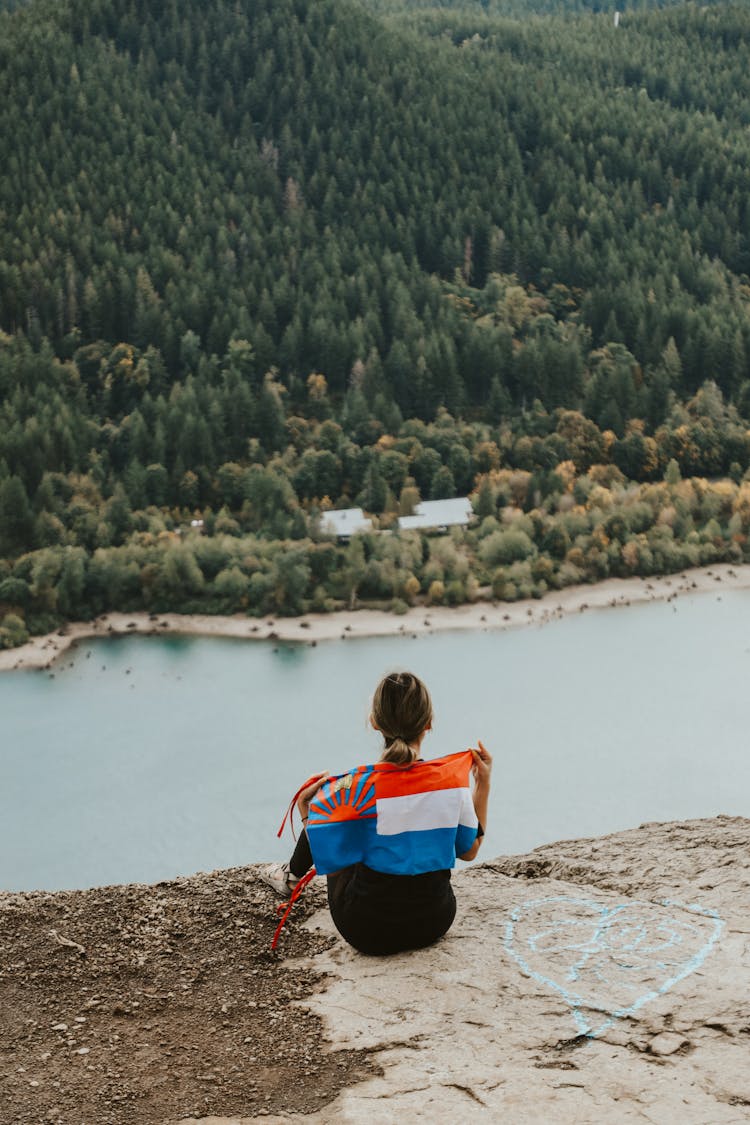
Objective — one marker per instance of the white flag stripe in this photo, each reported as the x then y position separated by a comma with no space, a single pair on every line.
468,814
418,812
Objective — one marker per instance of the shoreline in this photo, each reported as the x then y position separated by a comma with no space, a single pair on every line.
311,628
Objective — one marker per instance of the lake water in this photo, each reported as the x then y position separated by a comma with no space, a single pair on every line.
145,758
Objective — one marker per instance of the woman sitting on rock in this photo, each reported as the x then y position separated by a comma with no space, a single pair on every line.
387,835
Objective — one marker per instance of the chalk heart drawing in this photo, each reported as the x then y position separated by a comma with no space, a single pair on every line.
607,961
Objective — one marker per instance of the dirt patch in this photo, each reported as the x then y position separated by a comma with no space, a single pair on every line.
169,1004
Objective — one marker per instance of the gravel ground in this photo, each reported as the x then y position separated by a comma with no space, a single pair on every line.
144,1004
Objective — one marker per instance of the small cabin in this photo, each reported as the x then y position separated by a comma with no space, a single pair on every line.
438,515
344,522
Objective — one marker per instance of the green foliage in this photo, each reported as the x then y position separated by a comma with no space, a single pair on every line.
318,191
619,530
13,631
501,547
255,263
479,10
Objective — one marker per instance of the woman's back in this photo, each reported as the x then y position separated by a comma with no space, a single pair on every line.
388,835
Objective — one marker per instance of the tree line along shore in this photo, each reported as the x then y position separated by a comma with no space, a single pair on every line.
526,539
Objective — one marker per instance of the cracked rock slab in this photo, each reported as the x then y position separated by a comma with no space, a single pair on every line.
589,981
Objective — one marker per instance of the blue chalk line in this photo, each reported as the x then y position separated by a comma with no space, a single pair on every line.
597,944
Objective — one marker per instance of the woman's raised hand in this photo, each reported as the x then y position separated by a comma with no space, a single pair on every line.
307,794
482,767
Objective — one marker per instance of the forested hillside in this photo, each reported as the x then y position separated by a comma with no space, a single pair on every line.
517,9
257,259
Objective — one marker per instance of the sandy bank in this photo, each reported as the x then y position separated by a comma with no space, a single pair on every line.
41,652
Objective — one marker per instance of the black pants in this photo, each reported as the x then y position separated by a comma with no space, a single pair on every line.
380,914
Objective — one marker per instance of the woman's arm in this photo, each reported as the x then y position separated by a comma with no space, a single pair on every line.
481,770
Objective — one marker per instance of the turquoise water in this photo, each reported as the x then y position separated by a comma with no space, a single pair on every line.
145,758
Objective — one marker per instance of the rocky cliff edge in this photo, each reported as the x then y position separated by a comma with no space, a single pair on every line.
601,980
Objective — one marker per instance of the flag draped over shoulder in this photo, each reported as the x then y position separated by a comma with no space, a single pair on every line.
401,820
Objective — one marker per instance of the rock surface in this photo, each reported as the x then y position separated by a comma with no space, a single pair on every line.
590,981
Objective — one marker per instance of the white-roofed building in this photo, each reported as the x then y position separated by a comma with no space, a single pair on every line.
432,514
343,522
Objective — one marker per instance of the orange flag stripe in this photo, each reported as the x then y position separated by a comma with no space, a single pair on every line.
450,772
